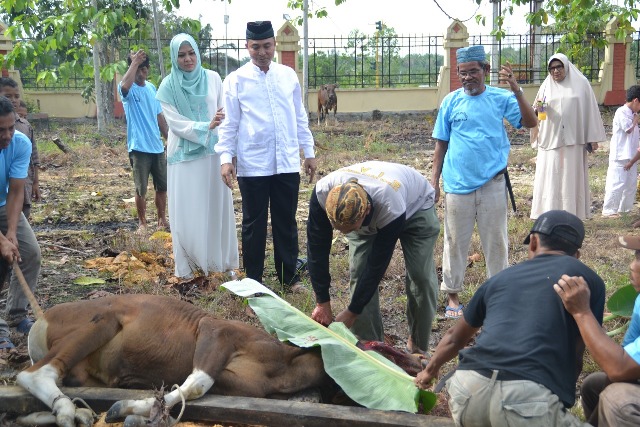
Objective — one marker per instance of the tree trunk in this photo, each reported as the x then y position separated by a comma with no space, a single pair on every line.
104,95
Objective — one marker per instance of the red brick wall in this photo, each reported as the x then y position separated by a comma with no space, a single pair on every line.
453,72
288,58
617,94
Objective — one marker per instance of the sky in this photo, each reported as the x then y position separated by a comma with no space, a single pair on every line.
407,17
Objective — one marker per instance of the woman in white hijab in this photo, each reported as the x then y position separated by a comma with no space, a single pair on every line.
571,130
203,226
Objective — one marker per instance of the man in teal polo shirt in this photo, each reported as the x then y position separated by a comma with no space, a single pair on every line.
145,123
17,240
471,153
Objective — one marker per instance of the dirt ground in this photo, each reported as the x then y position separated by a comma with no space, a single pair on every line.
87,219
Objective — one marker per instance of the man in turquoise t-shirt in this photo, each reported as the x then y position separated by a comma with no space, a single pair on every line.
612,397
145,123
17,240
471,154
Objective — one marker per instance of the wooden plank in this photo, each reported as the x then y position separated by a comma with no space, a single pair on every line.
245,410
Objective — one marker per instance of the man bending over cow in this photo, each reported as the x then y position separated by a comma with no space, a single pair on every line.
375,204
17,240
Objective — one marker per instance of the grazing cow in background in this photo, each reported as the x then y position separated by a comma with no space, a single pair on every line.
327,101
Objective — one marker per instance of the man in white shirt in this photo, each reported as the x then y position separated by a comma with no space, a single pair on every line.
265,127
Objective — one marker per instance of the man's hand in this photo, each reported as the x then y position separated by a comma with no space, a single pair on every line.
228,172
436,186
9,251
309,166
36,196
137,58
424,379
347,317
322,313
574,293
506,74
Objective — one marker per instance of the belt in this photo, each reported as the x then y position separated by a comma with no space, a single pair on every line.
501,172
502,375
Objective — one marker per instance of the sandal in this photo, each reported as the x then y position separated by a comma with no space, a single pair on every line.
25,325
457,311
6,344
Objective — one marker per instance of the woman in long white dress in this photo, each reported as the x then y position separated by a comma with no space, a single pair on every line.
573,126
200,205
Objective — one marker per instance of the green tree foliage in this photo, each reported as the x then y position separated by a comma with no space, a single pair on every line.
56,39
319,12
573,18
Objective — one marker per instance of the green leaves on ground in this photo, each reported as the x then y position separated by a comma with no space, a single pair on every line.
365,376
88,281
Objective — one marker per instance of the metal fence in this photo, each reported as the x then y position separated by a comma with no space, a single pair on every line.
528,55
635,53
378,61
375,61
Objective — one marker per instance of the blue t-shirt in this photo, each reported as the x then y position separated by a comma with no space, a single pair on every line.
14,162
631,342
142,108
478,143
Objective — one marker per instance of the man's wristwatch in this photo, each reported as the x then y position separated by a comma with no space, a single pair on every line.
520,91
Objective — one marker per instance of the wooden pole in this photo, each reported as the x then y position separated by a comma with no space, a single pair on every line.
232,409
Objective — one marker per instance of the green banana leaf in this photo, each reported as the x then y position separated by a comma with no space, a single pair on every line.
622,301
365,376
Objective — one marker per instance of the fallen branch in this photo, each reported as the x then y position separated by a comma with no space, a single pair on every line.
61,145
66,248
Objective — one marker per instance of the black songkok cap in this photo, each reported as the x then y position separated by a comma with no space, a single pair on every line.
259,30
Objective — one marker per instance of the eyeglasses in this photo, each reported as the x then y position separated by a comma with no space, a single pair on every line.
556,68
471,73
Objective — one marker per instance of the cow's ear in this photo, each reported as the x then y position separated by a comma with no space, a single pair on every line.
324,87
337,85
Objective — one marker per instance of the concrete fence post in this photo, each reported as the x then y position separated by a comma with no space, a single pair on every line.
455,38
616,73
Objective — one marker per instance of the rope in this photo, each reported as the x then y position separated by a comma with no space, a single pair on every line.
176,386
451,17
86,405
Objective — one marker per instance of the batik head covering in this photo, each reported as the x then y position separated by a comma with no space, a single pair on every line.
346,203
470,54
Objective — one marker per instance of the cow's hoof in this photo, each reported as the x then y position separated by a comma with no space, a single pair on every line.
135,421
114,414
85,417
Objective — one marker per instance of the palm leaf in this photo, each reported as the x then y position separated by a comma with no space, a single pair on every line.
622,301
365,376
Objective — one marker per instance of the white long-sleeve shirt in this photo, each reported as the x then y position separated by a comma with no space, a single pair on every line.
265,123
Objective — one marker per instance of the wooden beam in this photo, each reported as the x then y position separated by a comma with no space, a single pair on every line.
225,409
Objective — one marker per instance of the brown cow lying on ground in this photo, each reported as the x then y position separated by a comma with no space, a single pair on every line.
146,341
327,101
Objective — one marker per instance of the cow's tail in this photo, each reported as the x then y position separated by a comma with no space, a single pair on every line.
27,291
